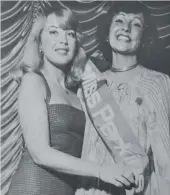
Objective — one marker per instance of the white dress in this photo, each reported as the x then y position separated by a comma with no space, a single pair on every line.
145,103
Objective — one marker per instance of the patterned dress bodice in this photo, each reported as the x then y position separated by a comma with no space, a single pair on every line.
66,124
145,103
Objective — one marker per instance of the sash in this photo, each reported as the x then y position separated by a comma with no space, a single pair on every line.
111,125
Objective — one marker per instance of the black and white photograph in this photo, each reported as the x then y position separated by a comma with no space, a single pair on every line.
85,97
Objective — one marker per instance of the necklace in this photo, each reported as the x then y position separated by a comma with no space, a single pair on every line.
113,69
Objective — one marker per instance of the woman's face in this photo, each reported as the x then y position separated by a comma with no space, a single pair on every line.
126,32
57,44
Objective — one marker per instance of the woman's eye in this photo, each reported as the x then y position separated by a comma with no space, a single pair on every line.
71,34
119,21
137,25
54,32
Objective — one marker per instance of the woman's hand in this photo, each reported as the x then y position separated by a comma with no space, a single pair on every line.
137,166
139,181
117,175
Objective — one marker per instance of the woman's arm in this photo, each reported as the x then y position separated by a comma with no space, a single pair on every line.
160,133
34,121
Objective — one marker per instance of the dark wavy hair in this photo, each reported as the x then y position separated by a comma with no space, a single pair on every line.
149,37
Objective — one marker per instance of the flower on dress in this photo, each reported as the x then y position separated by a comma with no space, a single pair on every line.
139,101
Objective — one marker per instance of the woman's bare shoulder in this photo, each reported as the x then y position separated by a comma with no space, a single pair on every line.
32,83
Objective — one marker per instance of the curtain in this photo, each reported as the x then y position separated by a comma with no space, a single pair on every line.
17,18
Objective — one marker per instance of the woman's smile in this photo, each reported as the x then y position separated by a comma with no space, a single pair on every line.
62,51
122,37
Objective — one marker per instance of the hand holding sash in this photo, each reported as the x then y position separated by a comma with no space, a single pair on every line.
117,175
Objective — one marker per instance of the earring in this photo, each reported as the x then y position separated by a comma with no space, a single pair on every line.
41,53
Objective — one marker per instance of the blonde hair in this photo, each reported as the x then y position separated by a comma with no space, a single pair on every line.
32,57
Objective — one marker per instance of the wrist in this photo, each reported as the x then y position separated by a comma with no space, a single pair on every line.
96,171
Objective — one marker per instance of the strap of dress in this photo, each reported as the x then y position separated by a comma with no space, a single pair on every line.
48,97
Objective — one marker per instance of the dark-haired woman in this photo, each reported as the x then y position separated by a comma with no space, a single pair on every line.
126,36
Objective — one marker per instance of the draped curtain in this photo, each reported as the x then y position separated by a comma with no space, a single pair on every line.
17,18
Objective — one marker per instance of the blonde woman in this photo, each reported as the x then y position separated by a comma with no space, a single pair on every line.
51,116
